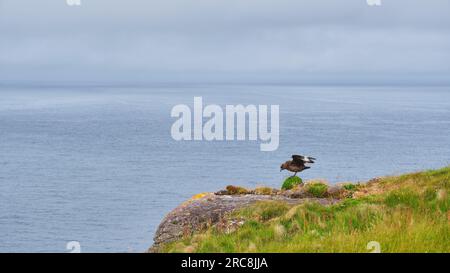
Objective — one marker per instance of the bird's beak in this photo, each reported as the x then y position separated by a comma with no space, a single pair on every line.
281,170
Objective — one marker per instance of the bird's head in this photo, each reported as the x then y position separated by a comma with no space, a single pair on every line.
283,166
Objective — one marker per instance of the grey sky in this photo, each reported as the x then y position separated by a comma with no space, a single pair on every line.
316,41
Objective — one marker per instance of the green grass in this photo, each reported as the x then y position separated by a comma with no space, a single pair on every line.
291,182
407,213
350,187
317,189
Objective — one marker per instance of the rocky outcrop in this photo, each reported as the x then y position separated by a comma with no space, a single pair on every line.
209,209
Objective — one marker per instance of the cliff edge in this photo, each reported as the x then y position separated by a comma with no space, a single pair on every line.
406,213
210,209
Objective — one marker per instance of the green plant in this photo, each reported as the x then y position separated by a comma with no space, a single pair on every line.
405,197
264,191
263,210
317,189
236,190
291,182
350,187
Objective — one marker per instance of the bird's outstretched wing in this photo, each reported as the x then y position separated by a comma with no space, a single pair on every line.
299,159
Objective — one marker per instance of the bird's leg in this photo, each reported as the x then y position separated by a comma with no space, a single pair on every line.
294,174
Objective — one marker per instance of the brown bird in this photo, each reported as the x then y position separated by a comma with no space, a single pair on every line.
297,164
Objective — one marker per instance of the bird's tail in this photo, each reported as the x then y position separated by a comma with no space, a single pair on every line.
309,159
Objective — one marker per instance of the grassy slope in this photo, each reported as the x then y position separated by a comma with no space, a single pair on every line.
408,213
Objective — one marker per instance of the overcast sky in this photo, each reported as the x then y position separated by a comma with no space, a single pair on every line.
291,41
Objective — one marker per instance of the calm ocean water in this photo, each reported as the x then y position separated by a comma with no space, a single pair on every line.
99,166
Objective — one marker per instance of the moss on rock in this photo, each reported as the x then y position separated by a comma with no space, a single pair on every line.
291,182
232,190
265,191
